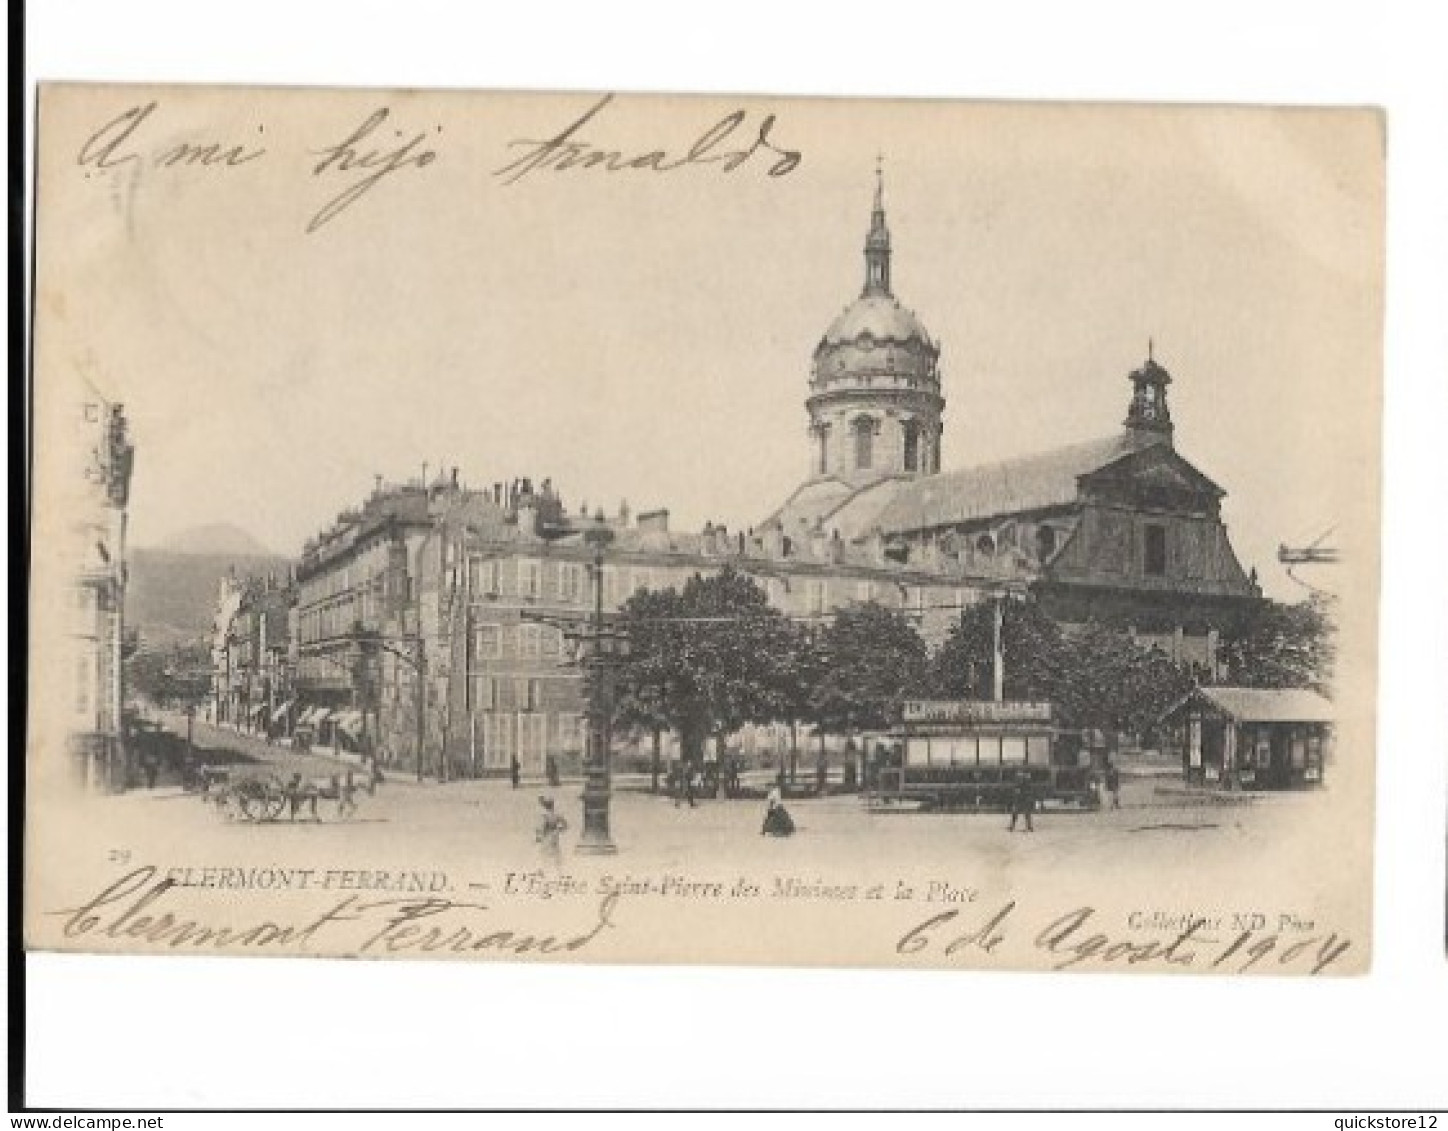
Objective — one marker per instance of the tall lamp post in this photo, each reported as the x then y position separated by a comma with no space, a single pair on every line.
596,839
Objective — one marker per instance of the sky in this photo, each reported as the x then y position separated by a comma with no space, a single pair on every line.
646,336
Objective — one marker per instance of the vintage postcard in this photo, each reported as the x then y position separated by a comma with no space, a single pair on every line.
636,529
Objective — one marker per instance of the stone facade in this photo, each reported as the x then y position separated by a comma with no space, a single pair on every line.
1122,529
97,559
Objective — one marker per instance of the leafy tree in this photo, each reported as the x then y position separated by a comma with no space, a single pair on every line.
707,660
871,659
1032,644
1109,681
648,682
178,675
1283,645
1095,675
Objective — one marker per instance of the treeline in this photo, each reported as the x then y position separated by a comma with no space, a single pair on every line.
713,656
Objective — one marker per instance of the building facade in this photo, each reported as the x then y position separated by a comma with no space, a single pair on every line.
431,624
1121,529
98,638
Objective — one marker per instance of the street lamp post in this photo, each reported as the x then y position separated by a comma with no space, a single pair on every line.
596,839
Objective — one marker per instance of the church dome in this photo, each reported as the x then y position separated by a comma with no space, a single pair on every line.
877,316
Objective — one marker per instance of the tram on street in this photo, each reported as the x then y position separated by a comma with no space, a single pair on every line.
971,754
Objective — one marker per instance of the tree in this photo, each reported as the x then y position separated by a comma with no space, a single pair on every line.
648,681
1032,644
871,660
707,660
1283,645
177,676
1095,675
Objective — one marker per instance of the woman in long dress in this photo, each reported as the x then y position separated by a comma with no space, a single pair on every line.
777,821
550,831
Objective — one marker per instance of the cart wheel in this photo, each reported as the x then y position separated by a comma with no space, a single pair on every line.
257,798
275,802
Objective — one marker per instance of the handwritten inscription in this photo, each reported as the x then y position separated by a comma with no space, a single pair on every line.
1071,940
727,144
137,908
376,150
364,153
116,144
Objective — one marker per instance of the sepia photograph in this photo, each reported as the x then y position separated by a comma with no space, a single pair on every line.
622,528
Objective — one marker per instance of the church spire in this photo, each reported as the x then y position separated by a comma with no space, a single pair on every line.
877,243
1148,417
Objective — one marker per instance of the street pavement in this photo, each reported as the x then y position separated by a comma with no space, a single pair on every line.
491,824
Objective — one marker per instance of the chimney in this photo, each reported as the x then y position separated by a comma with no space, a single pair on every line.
774,541
654,522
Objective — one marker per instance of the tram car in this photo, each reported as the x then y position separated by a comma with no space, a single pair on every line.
966,754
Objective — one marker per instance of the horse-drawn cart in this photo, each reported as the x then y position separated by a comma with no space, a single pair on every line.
259,796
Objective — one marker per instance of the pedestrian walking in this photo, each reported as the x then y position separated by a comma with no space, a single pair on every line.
346,795
1113,784
515,771
552,770
550,830
689,786
1023,802
298,792
822,776
777,821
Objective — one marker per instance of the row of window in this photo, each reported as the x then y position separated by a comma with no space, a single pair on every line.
982,750
339,617
863,430
504,735
527,641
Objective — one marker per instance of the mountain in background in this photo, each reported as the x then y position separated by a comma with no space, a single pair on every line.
171,591
218,538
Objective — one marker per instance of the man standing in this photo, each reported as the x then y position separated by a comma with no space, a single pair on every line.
1113,784
1023,801
515,770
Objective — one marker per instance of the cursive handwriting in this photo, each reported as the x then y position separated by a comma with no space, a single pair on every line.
114,144
1070,943
566,150
1066,937
374,162
987,937
135,908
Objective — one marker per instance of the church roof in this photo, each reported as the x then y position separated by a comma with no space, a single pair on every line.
824,503
1027,483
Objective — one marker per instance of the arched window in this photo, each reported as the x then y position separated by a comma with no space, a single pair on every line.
912,445
824,435
1045,542
985,544
864,443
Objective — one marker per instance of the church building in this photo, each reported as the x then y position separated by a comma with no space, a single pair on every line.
1121,529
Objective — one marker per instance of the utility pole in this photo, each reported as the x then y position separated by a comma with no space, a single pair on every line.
998,655
420,674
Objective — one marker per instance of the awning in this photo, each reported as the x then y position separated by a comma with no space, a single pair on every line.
1261,705
259,709
282,710
350,721
321,716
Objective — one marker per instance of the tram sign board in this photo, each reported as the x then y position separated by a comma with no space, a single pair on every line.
974,711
